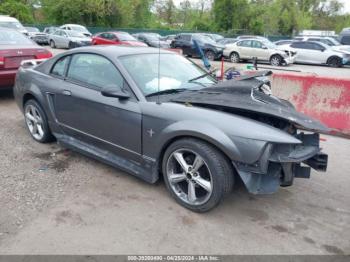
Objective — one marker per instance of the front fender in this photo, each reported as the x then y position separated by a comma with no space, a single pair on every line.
203,131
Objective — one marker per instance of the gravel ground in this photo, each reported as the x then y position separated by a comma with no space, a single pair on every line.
54,201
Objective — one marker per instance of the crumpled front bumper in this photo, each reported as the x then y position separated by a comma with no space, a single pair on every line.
289,60
281,163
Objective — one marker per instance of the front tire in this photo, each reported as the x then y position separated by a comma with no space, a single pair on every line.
196,174
276,60
36,122
210,55
334,62
52,44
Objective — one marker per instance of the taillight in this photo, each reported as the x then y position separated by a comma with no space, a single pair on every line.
42,54
2,61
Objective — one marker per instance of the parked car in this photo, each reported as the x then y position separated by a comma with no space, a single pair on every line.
227,41
116,38
168,38
329,41
241,37
50,30
78,28
309,52
12,23
112,103
215,37
344,36
152,39
284,42
211,49
14,48
68,39
263,50
37,36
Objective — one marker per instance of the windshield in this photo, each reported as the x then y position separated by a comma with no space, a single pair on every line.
12,25
175,72
74,34
125,37
334,41
269,45
80,29
204,39
13,38
32,29
217,37
153,37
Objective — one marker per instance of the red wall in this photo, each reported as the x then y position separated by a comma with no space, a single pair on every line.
326,99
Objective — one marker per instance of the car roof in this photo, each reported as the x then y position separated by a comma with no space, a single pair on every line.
7,18
72,25
118,51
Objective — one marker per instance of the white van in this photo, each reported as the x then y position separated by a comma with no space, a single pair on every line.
13,23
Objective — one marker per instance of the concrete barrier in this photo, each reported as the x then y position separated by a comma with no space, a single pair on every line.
323,98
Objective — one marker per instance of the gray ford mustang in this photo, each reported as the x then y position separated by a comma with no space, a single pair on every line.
117,105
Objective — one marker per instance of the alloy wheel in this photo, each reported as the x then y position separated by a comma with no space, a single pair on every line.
210,55
234,58
275,61
189,177
34,122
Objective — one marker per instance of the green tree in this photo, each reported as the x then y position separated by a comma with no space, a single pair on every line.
21,11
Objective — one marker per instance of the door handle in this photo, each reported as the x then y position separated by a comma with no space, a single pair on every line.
66,93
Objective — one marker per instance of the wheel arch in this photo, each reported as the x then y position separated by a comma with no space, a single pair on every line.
190,136
275,54
332,57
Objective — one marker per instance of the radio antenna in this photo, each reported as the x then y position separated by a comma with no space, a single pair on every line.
158,97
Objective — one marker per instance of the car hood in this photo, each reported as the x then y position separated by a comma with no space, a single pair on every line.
245,96
134,43
342,48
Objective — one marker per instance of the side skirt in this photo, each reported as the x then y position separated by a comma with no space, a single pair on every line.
146,170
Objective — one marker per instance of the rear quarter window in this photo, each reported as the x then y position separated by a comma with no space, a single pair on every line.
60,67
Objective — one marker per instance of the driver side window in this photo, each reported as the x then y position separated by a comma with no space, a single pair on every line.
94,71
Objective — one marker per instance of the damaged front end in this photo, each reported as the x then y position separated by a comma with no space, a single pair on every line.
281,163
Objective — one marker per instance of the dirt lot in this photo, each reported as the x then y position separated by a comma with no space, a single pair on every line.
57,201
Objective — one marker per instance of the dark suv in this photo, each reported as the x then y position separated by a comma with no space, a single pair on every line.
344,37
211,49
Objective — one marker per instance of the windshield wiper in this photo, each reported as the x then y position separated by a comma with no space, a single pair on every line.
201,76
168,91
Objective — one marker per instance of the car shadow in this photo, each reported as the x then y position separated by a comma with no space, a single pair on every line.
6,94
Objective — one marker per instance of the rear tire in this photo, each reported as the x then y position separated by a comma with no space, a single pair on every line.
36,122
202,179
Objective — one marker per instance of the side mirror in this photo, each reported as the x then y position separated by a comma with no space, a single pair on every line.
322,50
115,91
264,47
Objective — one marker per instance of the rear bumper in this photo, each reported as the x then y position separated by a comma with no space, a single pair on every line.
7,78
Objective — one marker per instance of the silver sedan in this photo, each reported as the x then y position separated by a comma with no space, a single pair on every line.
68,39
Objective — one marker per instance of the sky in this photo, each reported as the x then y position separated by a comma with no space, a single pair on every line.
345,2
346,5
